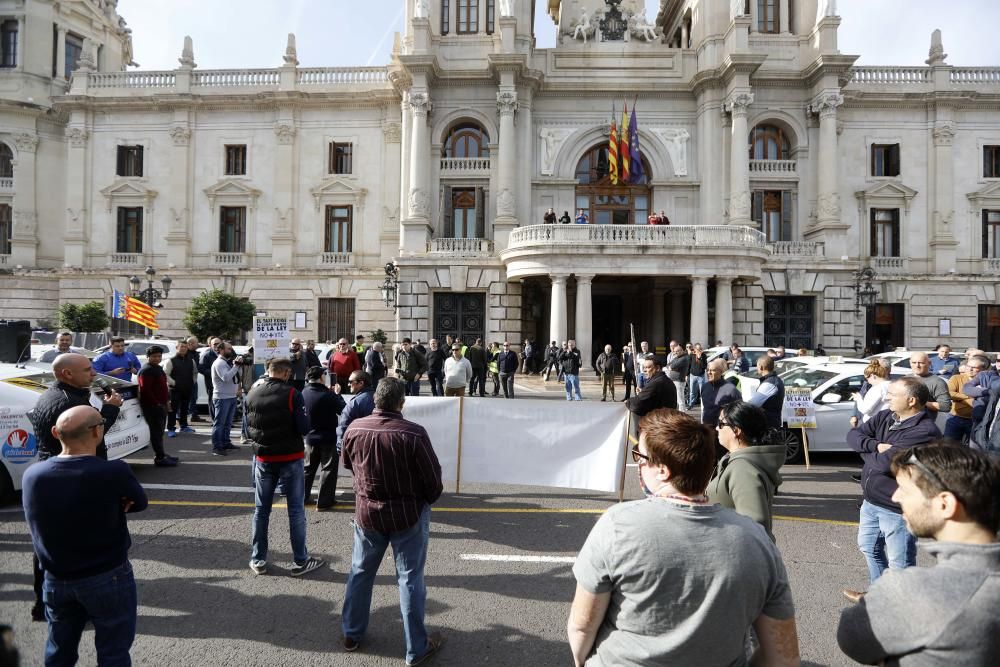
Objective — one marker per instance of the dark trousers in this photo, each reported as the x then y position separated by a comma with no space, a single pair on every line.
629,386
342,382
507,382
193,404
478,380
549,365
209,391
436,378
156,418
180,400
325,459
299,384
412,388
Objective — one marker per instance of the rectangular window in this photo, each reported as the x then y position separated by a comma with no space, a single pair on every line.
236,159
445,17
341,158
885,232
491,16
885,159
336,319
129,161
463,212
991,161
6,228
338,230
8,44
772,211
74,49
989,327
468,17
991,234
767,16
129,229
232,229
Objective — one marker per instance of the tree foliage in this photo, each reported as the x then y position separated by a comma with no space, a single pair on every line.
83,318
218,313
378,336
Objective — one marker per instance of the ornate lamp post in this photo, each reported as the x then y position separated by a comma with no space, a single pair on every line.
390,286
151,295
865,294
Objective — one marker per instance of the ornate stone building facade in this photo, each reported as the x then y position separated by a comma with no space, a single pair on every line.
784,170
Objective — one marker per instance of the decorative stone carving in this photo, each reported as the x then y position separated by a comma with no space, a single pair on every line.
283,219
26,143
178,220
551,140
507,8
420,104
78,137
737,8
614,25
418,203
187,54
739,205
421,9
584,27
936,54
181,135
290,58
676,141
76,218
392,133
25,223
825,105
285,132
944,133
824,8
639,27
829,206
505,203
87,61
507,102
738,104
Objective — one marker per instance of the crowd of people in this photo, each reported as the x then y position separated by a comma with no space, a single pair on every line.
691,574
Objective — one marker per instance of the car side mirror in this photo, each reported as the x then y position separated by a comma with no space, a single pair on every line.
830,398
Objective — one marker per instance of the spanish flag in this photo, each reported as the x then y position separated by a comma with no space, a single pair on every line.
624,174
613,150
138,312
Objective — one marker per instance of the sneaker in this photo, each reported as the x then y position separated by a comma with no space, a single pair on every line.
229,445
433,645
187,429
166,462
171,433
243,440
258,566
351,645
327,508
307,567
218,452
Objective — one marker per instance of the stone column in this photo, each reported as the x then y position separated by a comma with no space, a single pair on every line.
584,319
75,249
783,17
828,218
24,240
685,34
406,141
699,311
506,218
943,243
753,15
178,235
677,316
283,229
739,159
724,309
557,315
61,52
20,42
416,230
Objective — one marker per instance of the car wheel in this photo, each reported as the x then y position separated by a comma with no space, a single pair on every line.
6,487
793,445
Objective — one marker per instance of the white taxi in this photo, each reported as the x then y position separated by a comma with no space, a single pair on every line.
20,388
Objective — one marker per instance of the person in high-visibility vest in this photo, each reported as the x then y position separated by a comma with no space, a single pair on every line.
359,346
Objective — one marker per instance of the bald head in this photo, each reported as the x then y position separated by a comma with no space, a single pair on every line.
80,430
920,364
73,369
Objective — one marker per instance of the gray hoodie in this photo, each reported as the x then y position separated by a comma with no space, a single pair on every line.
746,481
941,615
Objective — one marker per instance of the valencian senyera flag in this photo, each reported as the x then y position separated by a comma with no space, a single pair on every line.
134,310
613,150
633,147
624,173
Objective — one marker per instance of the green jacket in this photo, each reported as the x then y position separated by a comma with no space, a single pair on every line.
746,481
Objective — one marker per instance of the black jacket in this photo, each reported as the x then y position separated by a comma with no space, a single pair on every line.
570,361
552,354
628,364
477,357
312,359
659,392
323,407
435,360
677,369
276,418
56,400
607,363
208,358
507,362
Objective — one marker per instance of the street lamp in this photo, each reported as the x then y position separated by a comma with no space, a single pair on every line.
865,294
150,296
390,286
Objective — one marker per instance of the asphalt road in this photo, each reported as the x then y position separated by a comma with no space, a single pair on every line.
201,605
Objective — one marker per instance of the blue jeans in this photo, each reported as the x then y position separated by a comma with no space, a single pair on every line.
884,540
108,600
412,388
193,405
695,383
409,548
957,428
225,412
572,385
267,477
642,380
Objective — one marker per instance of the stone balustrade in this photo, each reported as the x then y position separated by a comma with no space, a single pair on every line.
6,184
313,76
991,266
975,75
797,249
889,264
881,76
773,167
451,165
138,79
335,259
229,78
460,247
678,236
228,260
125,259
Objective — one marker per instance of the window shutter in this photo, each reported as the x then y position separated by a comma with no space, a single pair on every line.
894,160
447,208
138,160
986,162
480,213
121,230
757,207
873,249
895,232
786,216
986,235
120,160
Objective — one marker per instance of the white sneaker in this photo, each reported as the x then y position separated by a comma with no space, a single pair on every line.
307,567
258,566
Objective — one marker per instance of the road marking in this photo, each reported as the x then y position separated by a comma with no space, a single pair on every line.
832,522
519,559
196,487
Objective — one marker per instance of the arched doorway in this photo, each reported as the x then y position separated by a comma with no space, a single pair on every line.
605,203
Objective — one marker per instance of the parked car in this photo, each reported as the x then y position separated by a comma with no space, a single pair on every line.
899,359
748,382
751,353
20,387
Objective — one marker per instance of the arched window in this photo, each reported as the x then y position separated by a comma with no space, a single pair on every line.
6,161
605,203
466,140
768,142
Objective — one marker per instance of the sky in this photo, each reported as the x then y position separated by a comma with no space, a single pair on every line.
343,33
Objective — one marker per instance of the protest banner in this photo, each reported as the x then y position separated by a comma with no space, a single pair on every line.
270,338
799,411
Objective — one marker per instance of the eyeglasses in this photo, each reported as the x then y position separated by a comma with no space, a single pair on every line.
99,424
355,382
927,472
638,456
723,425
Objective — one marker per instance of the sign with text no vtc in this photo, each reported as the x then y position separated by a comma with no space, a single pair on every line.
270,338
799,411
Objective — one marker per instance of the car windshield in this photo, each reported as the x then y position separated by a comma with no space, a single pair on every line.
808,378
783,366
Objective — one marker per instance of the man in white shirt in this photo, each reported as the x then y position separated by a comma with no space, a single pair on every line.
457,372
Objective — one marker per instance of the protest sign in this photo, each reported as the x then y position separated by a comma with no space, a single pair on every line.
270,338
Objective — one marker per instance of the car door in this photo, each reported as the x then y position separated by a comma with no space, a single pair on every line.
833,419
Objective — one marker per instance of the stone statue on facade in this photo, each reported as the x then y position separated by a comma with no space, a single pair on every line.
641,28
676,141
825,8
291,58
936,55
507,8
551,140
737,8
421,9
584,26
187,54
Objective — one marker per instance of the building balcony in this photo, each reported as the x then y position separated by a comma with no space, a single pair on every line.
465,166
228,260
460,247
991,266
773,168
335,260
796,249
889,265
133,259
659,250
6,184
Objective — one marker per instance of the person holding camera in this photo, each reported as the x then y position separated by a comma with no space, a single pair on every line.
225,385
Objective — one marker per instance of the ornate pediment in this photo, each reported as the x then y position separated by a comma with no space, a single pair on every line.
337,190
988,194
232,192
887,193
126,192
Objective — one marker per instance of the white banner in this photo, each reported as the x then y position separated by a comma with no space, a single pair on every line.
529,442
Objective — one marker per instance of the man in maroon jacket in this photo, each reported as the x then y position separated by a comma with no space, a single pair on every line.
343,362
154,398
397,478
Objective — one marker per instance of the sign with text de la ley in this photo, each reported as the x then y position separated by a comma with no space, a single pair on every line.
270,338
799,411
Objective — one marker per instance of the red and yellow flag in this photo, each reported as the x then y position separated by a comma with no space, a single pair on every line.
613,150
624,173
138,312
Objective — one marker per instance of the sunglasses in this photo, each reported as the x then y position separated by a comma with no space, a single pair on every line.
723,424
637,456
928,473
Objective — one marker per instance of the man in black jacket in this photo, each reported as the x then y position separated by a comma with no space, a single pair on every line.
507,363
628,371
659,391
324,406
276,422
182,379
435,367
570,362
74,373
551,359
477,359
